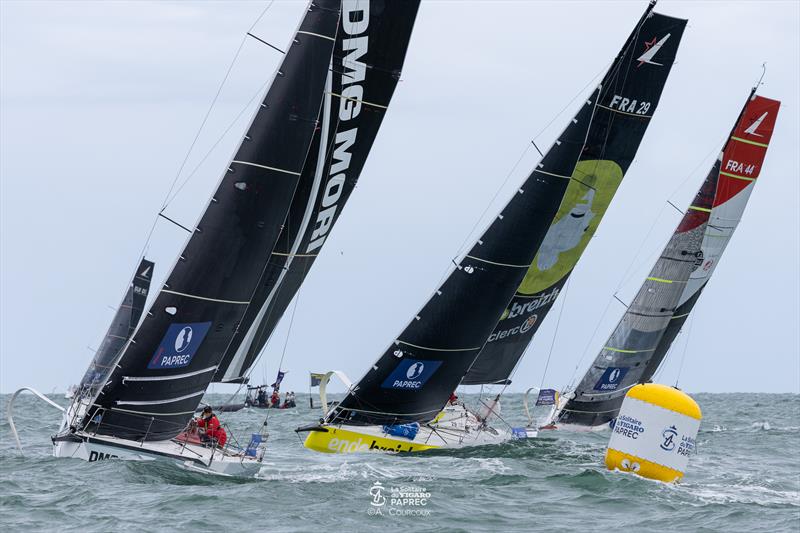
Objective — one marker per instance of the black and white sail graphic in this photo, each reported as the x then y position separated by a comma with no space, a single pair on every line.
368,58
167,365
119,332
646,331
631,92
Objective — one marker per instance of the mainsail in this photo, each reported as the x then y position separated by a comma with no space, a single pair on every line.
614,138
642,339
368,58
414,377
119,332
166,366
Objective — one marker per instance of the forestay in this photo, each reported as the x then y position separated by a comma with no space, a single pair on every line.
166,367
631,92
368,58
640,342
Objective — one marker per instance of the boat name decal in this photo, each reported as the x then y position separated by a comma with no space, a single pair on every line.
629,105
532,305
522,328
355,20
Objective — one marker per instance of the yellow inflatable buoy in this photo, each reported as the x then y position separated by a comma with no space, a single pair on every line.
654,433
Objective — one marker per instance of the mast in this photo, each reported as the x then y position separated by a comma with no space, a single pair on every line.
166,366
633,91
368,57
413,379
644,334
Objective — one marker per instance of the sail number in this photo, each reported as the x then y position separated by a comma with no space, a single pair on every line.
629,105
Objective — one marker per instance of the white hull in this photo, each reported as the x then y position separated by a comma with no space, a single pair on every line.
189,456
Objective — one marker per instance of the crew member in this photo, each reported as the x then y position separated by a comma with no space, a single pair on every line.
211,431
275,399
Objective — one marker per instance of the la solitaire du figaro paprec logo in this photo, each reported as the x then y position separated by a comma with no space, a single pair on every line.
405,500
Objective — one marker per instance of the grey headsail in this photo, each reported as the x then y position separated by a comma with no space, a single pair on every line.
630,100
167,365
119,332
368,58
640,342
413,379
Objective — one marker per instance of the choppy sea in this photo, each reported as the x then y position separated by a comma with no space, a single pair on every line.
745,477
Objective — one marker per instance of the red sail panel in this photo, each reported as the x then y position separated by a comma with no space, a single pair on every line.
744,153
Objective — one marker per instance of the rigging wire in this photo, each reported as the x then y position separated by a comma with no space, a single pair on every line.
167,199
213,104
469,237
685,348
555,333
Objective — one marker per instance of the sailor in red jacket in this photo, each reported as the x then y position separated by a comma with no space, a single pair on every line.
211,430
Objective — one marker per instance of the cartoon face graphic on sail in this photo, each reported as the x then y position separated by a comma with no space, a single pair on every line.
591,189
565,234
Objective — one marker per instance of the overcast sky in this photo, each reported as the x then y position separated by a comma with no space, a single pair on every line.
100,103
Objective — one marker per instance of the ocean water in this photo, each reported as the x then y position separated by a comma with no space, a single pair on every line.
745,477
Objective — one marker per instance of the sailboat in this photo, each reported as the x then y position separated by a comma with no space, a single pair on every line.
405,402
641,340
244,260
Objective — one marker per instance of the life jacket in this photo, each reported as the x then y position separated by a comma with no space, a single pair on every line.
213,429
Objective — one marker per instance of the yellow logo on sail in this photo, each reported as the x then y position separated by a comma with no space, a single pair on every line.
588,195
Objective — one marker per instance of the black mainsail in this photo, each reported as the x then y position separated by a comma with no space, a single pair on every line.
368,57
631,92
646,331
413,379
167,365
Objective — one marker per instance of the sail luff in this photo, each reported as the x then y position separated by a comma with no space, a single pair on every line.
174,354
632,90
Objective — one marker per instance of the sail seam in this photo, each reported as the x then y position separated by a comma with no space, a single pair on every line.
159,402
317,35
703,209
167,378
151,413
357,100
763,145
237,302
745,178
294,255
495,263
266,167
551,174
662,280
439,349
620,350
